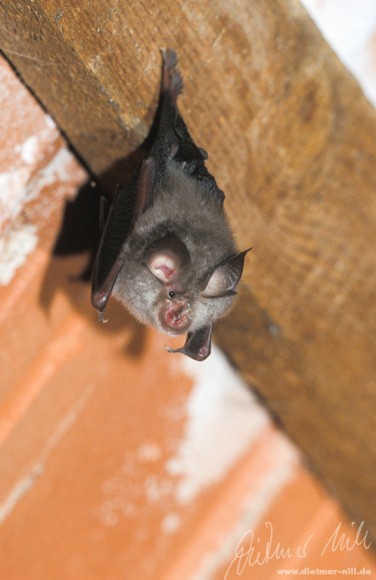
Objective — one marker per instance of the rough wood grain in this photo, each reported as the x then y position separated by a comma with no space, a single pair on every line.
291,139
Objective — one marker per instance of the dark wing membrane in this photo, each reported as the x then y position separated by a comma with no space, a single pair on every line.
193,158
197,344
173,140
116,230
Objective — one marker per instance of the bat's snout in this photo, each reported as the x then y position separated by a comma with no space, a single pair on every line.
175,318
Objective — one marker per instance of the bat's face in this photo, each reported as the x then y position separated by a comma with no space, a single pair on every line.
189,299
177,292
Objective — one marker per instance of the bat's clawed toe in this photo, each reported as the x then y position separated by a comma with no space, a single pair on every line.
172,79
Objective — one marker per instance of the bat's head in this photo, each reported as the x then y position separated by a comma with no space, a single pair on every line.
190,297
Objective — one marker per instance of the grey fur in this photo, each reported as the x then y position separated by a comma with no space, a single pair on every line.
181,205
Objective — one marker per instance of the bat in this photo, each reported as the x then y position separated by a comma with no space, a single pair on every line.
167,252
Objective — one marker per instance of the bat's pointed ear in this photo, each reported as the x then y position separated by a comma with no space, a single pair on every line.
198,343
167,259
225,277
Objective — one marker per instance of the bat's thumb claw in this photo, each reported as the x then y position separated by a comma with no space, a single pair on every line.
170,349
101,318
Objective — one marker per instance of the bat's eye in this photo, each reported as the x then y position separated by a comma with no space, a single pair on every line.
171,294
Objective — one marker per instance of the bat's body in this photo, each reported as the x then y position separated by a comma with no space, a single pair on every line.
167,252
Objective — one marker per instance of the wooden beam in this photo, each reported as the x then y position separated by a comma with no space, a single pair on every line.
291,139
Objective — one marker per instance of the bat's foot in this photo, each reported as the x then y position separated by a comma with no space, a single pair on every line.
172,80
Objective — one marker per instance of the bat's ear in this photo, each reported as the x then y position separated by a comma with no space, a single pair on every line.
198,344
225,277
167,259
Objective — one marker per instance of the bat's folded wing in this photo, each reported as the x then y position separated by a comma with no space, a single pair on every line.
129,202
197,344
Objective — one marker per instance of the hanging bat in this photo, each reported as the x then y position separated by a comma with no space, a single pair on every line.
167,252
